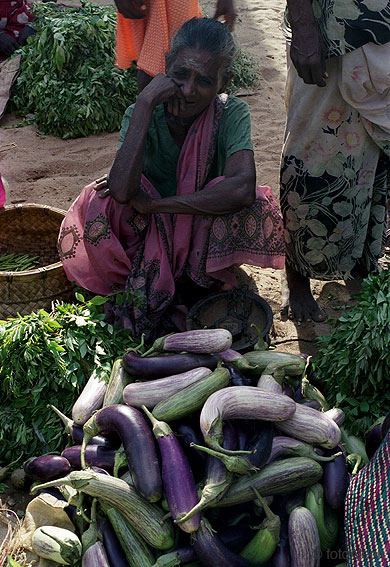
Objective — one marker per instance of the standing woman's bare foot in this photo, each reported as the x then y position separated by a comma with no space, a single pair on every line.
297,300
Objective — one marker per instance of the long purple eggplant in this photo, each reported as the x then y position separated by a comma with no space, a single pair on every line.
373,438
159,366
304,538
138,444
187,433
335,481
95,456
212,552
288,447
179,484
115,553
47,467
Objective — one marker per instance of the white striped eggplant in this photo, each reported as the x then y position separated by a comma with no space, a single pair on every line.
138,444
59,545
91,397
202,341
212,552
288,446
312,426
47,467
150,393
304,538
95,556
261,358
119,378
241,402
179,484
192,397
279,477
145,517
147,368
272,377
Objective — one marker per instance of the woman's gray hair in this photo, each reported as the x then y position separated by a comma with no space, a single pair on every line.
206,34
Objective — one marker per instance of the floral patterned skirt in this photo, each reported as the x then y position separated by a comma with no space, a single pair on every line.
335,170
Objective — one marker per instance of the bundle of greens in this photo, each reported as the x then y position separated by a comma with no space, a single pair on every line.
354,360
47,358
67,79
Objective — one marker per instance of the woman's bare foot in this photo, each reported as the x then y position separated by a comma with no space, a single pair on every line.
298,302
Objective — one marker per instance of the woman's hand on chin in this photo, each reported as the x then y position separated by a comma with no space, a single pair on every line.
161,89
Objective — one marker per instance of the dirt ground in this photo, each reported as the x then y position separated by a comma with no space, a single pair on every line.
46,170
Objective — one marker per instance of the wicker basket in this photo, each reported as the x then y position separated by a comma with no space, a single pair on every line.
32,229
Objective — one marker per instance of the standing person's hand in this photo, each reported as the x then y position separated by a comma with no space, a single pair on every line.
226,9
307,53
131,9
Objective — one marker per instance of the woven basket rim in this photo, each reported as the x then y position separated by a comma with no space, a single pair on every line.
37,271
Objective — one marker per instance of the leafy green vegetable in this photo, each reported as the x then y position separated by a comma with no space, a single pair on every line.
246,73
354,360
68,79
46,358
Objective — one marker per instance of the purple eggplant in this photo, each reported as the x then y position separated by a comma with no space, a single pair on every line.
310,403
373,438
77,434
187,434
95,456
281,556
179,484
385,425
47,467
138,444
115,554
335,481
212,552
159,366
236,377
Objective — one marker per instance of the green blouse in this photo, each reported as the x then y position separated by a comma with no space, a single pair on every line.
162,154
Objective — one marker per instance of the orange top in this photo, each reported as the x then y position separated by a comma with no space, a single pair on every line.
147,40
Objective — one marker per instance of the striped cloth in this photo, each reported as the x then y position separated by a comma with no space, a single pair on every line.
367,512
147,40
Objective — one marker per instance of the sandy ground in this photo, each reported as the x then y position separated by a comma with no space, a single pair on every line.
47,170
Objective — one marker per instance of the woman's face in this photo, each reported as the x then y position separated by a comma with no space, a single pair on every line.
199,74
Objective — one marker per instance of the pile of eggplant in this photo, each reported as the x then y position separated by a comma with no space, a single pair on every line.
194,454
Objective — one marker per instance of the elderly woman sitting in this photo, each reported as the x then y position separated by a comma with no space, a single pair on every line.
180,206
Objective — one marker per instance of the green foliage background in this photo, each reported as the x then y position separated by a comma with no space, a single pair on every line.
45,358
354,360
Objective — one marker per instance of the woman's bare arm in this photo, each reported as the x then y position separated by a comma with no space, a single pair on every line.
235,192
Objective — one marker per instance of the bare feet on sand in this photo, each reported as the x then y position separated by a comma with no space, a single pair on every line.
297,300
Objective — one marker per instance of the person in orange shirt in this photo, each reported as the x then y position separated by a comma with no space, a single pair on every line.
145,29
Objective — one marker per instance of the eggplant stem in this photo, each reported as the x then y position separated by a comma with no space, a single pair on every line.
166,517
65,420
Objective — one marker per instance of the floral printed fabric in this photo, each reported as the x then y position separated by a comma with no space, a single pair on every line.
335,166
349,24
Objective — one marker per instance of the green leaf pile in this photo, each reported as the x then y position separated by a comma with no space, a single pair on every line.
45,358
67,79
354,360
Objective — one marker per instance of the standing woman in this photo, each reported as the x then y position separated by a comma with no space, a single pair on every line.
181,203
145,29
335,168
